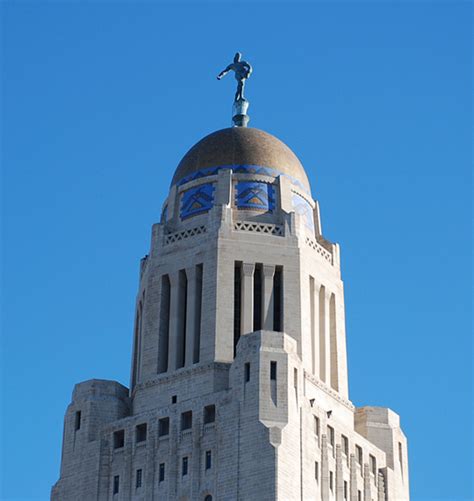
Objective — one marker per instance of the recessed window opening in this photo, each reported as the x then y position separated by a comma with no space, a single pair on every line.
331,435
278,299
184,468
209,414
208,460
345,489
237,303
331,480
119,439
345,445
316,471
400,456
182,320
359,454
295,378
174,399
164,326
257,297
186,420
77,421
138,479
247,372
116,486
273,371
208,498
198,314
141,432
373,464
163,427
359,495
316,426
161,472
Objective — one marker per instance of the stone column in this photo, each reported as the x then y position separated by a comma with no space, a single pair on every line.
268,273
175,321
247,297
191,314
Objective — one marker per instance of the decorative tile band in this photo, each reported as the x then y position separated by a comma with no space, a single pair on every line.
242,169
197,200
254,195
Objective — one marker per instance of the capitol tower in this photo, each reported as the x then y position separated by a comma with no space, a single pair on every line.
239,383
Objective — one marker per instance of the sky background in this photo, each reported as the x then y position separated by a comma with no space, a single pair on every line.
100,100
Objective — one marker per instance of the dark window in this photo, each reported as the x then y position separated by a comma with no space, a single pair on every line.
345,489
331,435
316,470
257,298
278,299
161,472
164,330
185,466
345,445
237,303
359,454
119,439
208,460
140,432
138,479
247,372
163,427
331,480
116,484
273,371
209,414
186,420
208,498
77,422
316,426
373,464
174,399
359,495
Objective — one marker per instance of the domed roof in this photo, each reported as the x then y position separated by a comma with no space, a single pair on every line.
241,146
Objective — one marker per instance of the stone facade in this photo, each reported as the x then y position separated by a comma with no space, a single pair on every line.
239,385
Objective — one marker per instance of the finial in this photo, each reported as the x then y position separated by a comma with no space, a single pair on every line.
242,71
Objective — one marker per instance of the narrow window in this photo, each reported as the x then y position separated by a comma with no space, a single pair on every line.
273,370
174,399
119,439
209,414
140,432
164,427
331,480
316,471
373,464
182,311
400,456
331,435
316,426
164,328
359,495
345,445
208,460
186,420
278,299
208,498
161,472
184,470
295,378
257,298
237,303
77,422
198,314
345,489
138,479
359,454
247,372
116,484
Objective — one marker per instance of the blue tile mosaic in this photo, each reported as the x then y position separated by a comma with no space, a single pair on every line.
241,169
303,207
254,195
197,200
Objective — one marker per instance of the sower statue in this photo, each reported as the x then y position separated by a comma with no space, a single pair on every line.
242,71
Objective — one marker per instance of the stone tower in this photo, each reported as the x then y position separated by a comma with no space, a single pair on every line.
239,376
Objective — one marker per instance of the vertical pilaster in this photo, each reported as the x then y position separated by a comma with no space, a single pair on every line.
268,297
191,313
248,270
339,475
324,469
353,478
175,321
367,494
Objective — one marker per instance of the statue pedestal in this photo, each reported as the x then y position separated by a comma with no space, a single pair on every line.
239,113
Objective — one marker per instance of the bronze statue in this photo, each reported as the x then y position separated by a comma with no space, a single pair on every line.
242,71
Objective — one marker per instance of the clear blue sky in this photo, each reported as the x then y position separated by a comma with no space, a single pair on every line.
101,100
